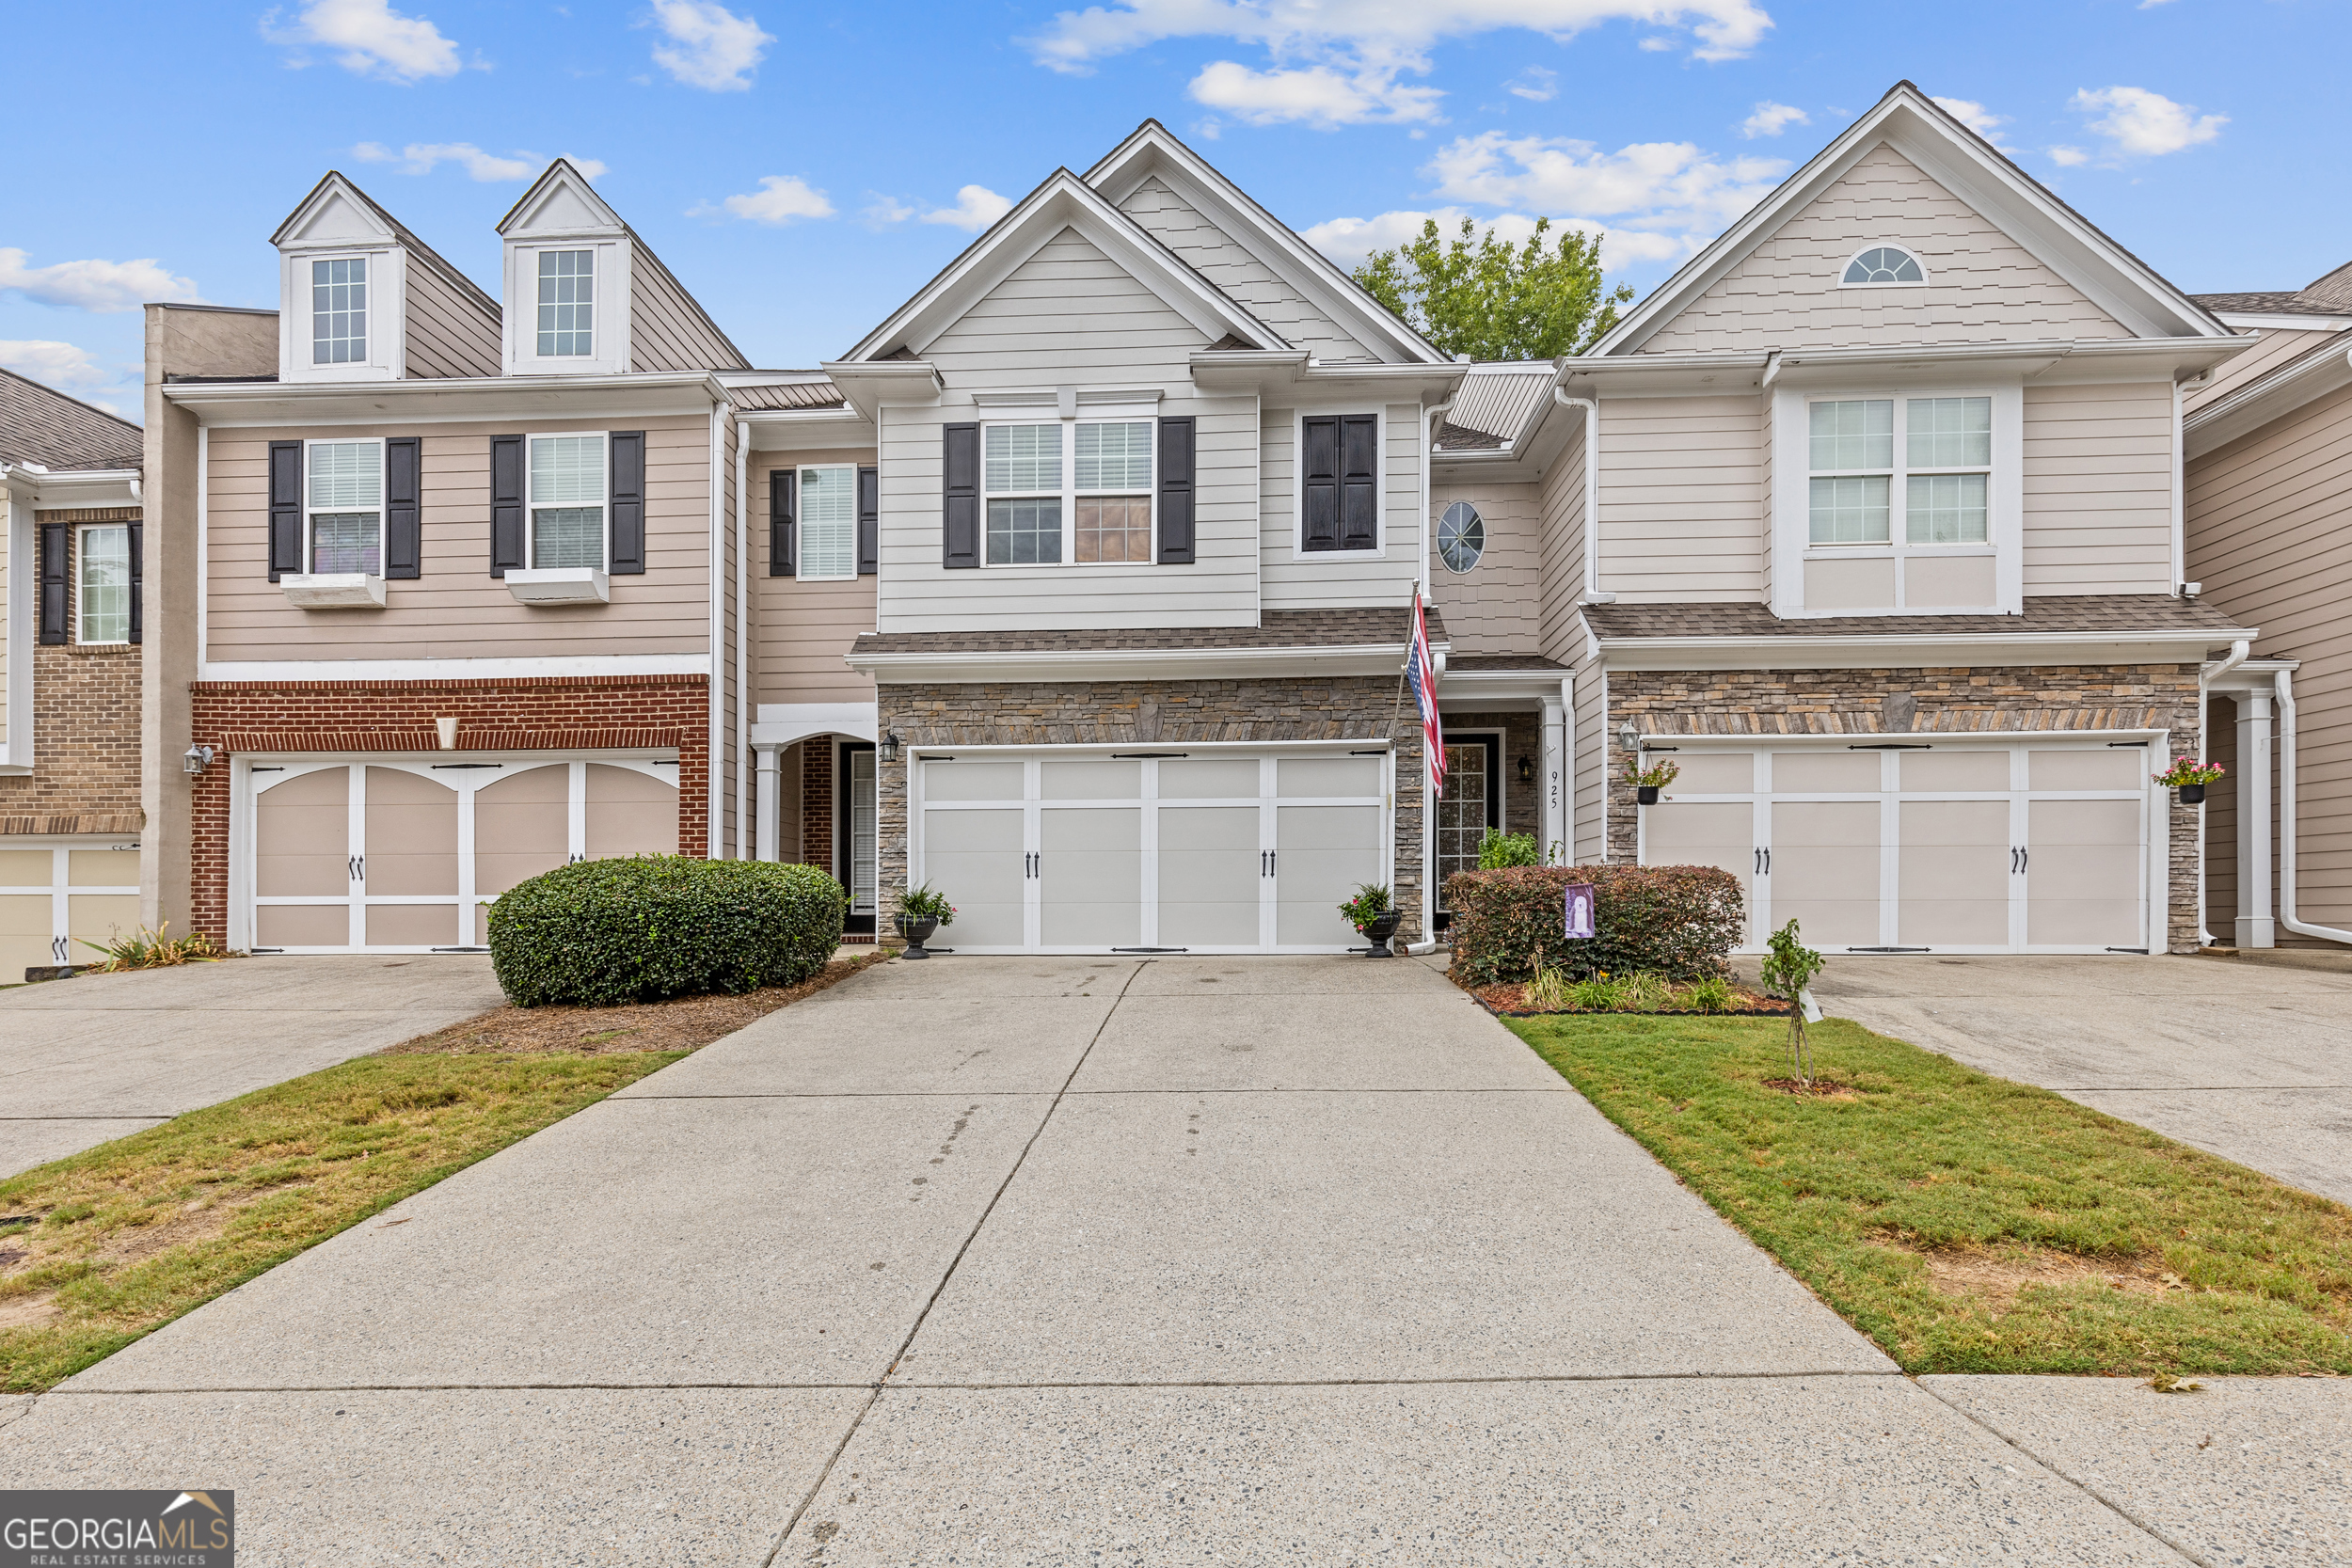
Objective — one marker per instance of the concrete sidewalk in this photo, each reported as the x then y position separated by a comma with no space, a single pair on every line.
100,1056
1078,1262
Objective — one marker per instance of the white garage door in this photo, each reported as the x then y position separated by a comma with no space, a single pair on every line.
406,855
1204,850
1965,845
56,898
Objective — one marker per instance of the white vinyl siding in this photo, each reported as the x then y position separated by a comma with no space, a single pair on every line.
1682,503
1224,262
1294,580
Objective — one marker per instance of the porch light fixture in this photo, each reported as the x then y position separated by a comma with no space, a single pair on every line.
1526,770
888,750
196,759
1630,735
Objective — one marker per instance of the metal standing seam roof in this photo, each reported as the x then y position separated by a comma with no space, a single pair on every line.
40,424
787,394
1495,402
1278,629
2120,614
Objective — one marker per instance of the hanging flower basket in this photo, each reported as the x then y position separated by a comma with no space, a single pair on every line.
2190,778
1647,781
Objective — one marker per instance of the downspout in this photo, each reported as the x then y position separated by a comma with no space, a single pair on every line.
714,841
1429,418
2238,650
746,828
1592,488
2287,916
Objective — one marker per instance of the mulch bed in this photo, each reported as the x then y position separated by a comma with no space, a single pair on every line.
1825,1088
1509,1000
681,1024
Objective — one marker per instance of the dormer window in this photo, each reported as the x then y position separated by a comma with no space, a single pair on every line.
1882,266
338,311
568,304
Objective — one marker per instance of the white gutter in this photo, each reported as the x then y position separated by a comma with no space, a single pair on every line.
2287,915
744,836
714,784
1426,529
1592,487
2238,650
1070,664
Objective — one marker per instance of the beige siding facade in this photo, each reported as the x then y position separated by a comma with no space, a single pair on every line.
1222,259
1562,533
456,608
1497,606
803,628
2273,347
1682,500
451,329
1983,286
667,329
2098,487
1335,579
2270,516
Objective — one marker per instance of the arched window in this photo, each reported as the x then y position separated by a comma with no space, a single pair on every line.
1461,537
1883,263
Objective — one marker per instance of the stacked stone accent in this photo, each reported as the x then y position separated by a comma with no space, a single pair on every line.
2001,702
86,725
1155,713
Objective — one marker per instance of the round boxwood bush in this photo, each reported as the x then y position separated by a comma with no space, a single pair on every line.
603,932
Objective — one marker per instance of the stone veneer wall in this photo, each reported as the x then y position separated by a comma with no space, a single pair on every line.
1522,737
1062,713
2029,700
86,724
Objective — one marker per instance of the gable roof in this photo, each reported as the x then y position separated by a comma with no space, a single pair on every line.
1061,201
1964,164
2331,295
336,185
40,424
1154,150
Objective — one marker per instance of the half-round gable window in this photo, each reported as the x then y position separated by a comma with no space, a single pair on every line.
1884,263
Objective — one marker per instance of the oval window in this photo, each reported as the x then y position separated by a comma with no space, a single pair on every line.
1883,264
1461,537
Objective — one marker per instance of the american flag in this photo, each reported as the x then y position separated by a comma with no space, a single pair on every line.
1422,670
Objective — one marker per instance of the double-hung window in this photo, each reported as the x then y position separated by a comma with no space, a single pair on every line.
338,311
567,501
1090,478
343,507
568,304
102,586
1915,469
828,523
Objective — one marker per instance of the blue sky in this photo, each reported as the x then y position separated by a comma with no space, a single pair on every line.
804,168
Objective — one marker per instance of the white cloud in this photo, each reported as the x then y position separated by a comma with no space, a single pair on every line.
710,47
424,157
1657,45
54,364
1318,95
1772,118
1349,240
781,197
1662,184
2069,157
1977,117
975,208
95,285
371,39
2143,124
1535,84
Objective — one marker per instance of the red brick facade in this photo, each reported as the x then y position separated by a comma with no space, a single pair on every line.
544,713
86,724
817,802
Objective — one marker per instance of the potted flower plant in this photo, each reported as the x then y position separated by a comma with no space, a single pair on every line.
2190,778
921,912
1647,781
1371,912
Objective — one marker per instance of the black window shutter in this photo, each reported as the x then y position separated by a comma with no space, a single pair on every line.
139,581
285,508
52,581
1359,481
1176,492
506,504
625,502
784,497
960,491
403,532
869,521
1319,482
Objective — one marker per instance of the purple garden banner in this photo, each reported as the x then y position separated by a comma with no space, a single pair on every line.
1582,897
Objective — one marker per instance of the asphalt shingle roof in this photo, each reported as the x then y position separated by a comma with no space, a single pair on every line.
2086,613
40,424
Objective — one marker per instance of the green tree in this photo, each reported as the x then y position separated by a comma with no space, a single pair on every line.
1480,296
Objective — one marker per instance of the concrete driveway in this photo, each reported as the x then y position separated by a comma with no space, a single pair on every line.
2252,1063
100,1057
1086,1262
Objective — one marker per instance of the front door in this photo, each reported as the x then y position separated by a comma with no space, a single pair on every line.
853,853
1473,803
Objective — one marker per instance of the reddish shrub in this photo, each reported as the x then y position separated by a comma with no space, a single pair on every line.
1677,920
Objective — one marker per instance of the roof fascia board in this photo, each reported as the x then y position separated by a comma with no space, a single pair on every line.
1291,374
2261,401
2257,321
1368,658
1155,149
1908,649
446,399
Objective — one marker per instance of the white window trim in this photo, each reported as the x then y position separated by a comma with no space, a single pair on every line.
800,501
1791,521
387,314
539,281
1070,492
1926,276
1437,543
81,555
1379,550
612,264
308,559
604,495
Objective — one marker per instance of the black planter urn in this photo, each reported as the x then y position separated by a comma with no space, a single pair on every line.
1645,795
2192,795
917,932
1383,926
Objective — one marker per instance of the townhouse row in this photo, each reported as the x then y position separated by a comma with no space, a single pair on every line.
1079,587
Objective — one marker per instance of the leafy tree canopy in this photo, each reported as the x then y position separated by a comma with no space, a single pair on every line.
1480,296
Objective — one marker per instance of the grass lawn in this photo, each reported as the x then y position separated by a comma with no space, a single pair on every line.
1968,1224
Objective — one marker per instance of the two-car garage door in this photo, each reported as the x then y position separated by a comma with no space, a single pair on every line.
1963,845
1205,849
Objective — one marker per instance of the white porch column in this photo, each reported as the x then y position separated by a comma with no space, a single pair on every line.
2255,927
764,817
1555,765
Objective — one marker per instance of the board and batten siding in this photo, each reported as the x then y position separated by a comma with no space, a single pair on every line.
1682,499
1069,316
2272,347
1334,580
456,608
2270,537
2098,487
1497,606
1224,262
667,329
1983,286
450,331
803,628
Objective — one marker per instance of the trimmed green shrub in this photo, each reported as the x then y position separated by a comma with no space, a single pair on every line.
604,932
1678,921
1498,848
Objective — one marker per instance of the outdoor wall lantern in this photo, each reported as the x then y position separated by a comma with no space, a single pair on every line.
196,759
1630,735
888,750
1526,770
